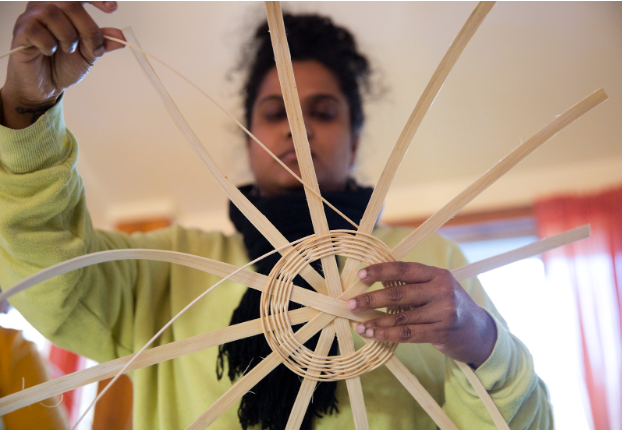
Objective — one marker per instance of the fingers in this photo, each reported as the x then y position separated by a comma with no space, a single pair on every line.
398,271
435,310
422,324
91,38
420,284
63,25
60,28
36,34
421,315
423,333
401,295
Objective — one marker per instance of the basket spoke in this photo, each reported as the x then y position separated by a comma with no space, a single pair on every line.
487,179
258,219
318,217
251,279
423,105
308,385
150,357
498,170
249,380
414,387
285,72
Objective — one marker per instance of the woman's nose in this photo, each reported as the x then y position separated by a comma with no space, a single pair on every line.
309,131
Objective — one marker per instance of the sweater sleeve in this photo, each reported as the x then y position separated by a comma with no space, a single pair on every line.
508,375
44,221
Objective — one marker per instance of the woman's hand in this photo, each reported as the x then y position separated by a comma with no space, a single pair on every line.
66,42
439,311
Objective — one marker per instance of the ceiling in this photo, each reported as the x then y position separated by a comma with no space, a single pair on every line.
527,63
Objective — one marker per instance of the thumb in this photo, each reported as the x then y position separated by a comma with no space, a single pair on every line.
111,45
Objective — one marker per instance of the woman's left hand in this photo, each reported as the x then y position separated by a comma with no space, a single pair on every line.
439,311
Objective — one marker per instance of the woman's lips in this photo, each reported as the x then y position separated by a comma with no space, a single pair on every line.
289,156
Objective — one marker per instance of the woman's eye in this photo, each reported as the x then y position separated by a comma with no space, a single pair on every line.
325,114
325,110
274,113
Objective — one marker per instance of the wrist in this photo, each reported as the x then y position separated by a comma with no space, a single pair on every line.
488,339
18,113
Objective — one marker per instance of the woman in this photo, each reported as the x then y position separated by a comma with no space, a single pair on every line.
111,310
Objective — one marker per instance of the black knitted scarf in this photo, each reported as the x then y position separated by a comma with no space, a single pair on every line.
273,397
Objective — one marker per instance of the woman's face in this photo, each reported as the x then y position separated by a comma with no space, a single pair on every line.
327,118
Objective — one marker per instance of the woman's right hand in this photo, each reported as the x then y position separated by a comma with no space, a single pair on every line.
66,42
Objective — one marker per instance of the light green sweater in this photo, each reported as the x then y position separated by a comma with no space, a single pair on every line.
112,309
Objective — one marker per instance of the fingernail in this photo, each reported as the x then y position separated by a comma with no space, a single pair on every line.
110,4
351,304
99,51
360,328
362,274
369,332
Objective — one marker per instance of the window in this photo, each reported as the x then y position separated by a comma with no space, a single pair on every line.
543,317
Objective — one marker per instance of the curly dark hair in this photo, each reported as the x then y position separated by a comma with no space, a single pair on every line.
311,37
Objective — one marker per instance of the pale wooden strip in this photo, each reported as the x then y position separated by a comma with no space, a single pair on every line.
249,210
492,409
251,279
307,388
414,387
294,112
498,170
150,357
159,333
14,50
241,387
248,278
318,217
423,105
249,380
474,269
355,389
521,253
291,100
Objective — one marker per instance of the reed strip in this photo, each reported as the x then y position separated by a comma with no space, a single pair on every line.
414,387
305,394
150,357
250,279
14,50
258,219
421,108
469,270
249,380
484,396
522,253
497,171
297,127
320,225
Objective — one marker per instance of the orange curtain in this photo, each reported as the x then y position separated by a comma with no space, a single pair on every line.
593,269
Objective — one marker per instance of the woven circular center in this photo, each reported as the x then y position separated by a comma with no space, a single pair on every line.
275,303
